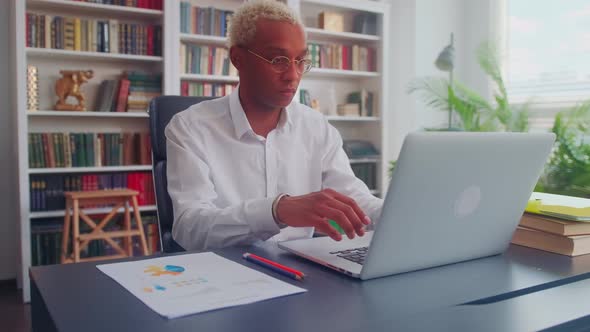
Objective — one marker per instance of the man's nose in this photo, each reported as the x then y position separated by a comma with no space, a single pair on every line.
292,72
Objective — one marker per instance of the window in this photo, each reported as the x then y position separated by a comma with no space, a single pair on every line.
548,52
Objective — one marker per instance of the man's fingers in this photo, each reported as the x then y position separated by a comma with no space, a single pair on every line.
352,203
339,217
352,217
324,227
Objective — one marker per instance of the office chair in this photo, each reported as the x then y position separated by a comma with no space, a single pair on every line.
161,110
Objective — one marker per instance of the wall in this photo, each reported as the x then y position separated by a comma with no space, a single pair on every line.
8,222
420,30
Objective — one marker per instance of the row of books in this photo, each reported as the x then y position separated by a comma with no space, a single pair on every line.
144,4
366,172
209,60
131,93
346,57
46,240
47,191
365,100
206,89
50,150
571,238
204,21
77,34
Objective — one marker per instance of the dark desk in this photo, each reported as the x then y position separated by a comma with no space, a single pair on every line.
563,308
78,297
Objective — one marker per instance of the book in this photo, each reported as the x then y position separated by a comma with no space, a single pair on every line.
565,245
365,23
566,212
560,206
554,225
331,21
32,88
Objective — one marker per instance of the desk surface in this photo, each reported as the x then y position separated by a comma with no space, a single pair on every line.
79,297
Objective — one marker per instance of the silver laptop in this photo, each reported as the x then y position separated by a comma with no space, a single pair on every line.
453,196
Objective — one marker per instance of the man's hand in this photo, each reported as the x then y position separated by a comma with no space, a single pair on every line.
317,208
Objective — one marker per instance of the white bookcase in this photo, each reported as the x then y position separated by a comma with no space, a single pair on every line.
49,62
331,86
328,86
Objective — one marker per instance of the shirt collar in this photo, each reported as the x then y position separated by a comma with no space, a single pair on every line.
240,121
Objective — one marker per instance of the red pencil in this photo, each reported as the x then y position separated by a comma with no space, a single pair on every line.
280,266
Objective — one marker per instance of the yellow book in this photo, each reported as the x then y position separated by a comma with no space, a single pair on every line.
77,34
560,206
69,33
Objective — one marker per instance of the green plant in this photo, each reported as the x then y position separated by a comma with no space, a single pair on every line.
568,170
475,112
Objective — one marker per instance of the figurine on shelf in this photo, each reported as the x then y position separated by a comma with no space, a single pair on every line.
69,85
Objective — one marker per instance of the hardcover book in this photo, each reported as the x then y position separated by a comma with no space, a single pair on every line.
564,245
554,225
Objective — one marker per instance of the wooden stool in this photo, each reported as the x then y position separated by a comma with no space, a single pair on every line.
120,198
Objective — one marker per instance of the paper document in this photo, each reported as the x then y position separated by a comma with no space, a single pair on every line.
181,285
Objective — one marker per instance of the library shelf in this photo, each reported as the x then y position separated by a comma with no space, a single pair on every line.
61,213
352,118
326,72
315,33
84,55
94,8
51,113
209,78
205,39
99,169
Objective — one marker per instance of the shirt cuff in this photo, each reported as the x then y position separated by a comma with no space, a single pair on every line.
259,216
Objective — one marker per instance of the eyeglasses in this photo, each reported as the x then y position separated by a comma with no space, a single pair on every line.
281,64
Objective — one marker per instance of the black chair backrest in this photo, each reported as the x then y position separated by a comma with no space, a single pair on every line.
161,110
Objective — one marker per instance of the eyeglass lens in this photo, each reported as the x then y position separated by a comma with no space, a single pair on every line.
281,64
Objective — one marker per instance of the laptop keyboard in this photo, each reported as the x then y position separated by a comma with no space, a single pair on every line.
356,255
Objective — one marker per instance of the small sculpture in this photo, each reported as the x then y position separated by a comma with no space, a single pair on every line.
69,85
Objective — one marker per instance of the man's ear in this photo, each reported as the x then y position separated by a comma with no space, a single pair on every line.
236,56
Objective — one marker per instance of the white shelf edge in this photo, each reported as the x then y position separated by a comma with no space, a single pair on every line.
50,113
90,169
210,78
195,38
370,6
364,160
59,4
341,72
375,192
341,35
37,51
61,213
353,118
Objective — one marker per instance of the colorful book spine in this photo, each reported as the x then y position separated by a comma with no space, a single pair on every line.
32,88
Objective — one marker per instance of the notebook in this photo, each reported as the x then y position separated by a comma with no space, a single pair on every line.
453,196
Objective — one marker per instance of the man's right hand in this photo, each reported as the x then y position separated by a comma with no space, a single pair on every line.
317,208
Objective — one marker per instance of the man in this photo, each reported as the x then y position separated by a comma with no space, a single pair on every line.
255,165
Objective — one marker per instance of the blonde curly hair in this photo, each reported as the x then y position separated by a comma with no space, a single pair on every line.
242,28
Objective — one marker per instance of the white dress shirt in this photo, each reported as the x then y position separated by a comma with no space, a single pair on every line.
223,177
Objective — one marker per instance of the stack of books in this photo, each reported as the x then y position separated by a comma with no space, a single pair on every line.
554,223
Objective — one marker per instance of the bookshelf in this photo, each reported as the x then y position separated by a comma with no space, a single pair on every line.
70,170
59,114
331,82
44,119
328,85
42,52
